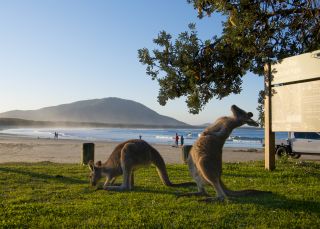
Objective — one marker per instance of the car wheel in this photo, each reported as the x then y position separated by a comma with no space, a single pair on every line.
281,151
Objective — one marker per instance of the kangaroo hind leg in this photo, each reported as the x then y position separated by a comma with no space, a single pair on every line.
127,171
211,173
198,179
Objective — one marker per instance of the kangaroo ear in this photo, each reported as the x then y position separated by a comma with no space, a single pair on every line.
98,164
250,114
91,165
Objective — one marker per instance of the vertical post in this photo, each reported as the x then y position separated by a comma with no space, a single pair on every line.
185,153
269,148
87,153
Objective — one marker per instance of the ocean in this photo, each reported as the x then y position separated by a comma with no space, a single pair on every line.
240,137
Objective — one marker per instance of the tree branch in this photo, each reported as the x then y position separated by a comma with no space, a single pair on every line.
286,12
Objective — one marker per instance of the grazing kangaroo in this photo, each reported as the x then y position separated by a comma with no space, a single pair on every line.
205,159
125,158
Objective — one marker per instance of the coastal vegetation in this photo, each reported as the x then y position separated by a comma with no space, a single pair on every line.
40,195
254,33
23,123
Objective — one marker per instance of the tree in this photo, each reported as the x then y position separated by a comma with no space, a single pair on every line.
260,108
255,32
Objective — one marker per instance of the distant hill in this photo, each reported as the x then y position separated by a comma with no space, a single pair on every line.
106,111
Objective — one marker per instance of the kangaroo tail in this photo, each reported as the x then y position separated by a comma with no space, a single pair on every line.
158,161
247,192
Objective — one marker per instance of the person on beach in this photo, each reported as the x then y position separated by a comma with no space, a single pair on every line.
181,140
177,139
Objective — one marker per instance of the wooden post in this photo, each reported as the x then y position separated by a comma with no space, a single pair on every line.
269,148
87,153
185,152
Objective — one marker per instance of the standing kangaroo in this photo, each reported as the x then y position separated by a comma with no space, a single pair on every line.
125,158
205,159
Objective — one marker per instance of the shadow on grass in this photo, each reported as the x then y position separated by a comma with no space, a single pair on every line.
137,189
258,176
271,201
60,178
274,201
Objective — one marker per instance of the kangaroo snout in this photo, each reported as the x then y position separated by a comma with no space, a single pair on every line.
251,122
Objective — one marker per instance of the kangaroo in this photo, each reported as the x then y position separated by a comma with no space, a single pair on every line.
205,158
125,158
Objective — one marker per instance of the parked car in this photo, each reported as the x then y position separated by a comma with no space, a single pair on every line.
299,143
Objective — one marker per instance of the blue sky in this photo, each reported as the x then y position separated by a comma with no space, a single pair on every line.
60,51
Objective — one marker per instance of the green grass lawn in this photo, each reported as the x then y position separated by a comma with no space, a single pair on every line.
46,194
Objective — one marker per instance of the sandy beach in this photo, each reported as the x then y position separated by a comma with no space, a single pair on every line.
22,149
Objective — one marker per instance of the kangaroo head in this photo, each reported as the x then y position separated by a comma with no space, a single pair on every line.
95,172
243,116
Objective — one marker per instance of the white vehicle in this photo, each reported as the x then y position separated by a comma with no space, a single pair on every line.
299,143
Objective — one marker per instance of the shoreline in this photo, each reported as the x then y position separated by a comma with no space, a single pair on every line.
26,149
242,137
